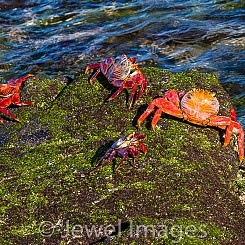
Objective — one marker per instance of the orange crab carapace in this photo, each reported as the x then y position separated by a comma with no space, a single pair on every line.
200,107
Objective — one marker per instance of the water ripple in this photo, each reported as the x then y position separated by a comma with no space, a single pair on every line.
63,36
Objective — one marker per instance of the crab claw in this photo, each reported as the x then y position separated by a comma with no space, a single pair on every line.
138,136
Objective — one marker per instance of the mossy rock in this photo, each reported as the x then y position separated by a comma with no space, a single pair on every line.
181,190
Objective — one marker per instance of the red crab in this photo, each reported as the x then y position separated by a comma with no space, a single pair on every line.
10,94
199,107
121,72
124,146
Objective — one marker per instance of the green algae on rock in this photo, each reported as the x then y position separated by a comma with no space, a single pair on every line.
183,188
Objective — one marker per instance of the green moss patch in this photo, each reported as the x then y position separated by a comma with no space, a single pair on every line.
184,184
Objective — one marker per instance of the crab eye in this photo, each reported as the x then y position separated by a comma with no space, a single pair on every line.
132,59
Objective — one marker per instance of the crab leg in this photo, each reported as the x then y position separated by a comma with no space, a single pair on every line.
110,158
168,104
235,127
165,106
5,103
231,127
19,81
143,148
22,79
156,118
134,153
16,101
148,111
24,103
173,96
140,92
131,99
6,112
101,67
94,66
94,76
241,145
123,159
137,79
233,114
117,93
169,108
240,131
107,154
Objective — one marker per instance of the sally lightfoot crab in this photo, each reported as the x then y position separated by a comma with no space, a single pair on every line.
199,107
10,94
121,72
124,146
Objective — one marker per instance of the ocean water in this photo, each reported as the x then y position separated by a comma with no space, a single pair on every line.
61,37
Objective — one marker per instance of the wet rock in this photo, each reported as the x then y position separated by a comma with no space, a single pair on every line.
182,190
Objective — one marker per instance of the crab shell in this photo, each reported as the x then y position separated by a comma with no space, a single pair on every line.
128,140
199,105
119,68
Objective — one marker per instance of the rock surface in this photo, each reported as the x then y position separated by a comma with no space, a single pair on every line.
182,190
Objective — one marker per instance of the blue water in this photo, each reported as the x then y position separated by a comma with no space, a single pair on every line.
60,37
